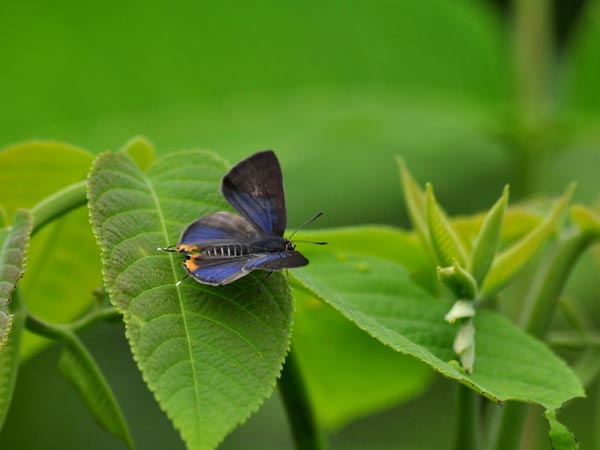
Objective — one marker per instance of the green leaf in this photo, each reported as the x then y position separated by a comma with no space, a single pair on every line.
13,250
141,151
210,355
560,436
393,244
518,221
377,376
513,260
79,368
379,297
586,219
9,362
487,242
50,166
458,280
414,197
3,218
62,248
444,240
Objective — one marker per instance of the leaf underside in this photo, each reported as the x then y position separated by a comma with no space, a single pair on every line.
13,249
379,296
9,363
211,355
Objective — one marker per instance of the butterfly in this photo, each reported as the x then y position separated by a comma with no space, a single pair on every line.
223,247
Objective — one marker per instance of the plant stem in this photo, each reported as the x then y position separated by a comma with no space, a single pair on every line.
305,431
47,329
60,331
544,295
468,420
533,54
537,314
511,419
96,315
58,204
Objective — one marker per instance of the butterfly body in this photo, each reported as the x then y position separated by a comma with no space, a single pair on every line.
233,249
223,247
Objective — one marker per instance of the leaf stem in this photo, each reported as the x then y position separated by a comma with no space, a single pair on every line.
47,329
537,314
305,431
58,204
468,420
66,331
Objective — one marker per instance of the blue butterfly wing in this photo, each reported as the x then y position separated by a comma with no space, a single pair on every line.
224,271
216,272
216,228
254,187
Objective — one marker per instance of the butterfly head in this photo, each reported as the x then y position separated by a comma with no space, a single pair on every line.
289,245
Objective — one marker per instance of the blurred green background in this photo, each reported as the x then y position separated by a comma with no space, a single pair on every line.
473,94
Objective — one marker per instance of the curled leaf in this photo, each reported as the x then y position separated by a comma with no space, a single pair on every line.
464,345
13,249
513,260
460,310
488,239
414,198
444,240
458,280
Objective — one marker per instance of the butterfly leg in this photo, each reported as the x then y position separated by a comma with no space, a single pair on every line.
181,281
269,273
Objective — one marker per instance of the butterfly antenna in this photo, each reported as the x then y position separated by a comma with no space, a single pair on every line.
309,221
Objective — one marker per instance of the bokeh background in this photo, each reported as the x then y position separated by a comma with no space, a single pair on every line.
472,94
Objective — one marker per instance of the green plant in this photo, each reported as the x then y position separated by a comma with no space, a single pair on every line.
212,355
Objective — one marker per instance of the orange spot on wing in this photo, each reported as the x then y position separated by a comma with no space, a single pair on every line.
191,264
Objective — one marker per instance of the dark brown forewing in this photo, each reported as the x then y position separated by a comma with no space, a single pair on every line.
254,187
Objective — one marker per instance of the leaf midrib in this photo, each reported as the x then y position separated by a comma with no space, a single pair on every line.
179,297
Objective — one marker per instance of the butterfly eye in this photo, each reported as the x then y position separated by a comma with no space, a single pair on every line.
188,257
